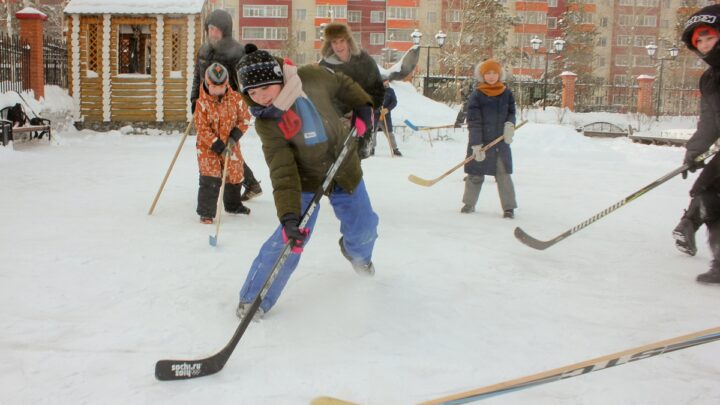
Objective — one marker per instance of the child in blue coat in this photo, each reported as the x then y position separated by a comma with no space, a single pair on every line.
490,114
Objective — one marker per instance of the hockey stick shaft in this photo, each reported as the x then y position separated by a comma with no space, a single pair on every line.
542,245
585,367
166,370
385,129
427,183
219,205
420,128
172,164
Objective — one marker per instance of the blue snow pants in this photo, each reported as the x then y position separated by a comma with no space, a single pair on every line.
358,226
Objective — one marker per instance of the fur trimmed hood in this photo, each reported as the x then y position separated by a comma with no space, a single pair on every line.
334,31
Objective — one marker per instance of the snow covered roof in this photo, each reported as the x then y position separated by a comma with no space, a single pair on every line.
134,6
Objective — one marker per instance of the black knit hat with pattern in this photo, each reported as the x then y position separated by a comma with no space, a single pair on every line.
258,68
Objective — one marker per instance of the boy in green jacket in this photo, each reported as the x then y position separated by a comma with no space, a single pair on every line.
302,135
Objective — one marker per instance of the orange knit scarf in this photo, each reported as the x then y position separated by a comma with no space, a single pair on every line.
491,90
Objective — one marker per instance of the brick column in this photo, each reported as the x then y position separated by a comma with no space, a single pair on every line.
32,23
644,98
568,90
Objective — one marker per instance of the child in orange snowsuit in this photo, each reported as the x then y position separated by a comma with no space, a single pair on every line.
221,118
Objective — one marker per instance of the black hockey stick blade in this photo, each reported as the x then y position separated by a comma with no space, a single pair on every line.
169,370
538,244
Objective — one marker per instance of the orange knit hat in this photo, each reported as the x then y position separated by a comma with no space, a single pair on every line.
489,65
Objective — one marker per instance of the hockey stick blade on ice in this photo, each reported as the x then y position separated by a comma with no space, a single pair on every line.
429,182
167,370
578,369
538,244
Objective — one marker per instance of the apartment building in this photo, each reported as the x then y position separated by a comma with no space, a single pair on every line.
383,28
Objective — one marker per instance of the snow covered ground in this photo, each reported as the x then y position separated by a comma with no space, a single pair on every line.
94,291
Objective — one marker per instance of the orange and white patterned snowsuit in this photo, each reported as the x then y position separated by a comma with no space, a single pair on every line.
214,118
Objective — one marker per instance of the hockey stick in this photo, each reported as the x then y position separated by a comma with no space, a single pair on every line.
167,173
528,240
578,369
166,370
421,128
218,209
427,183
385,129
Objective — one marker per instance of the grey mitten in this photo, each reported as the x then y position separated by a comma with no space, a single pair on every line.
509,131
478,153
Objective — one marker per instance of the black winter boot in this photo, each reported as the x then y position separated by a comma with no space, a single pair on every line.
233,201
713,275
684,232
251,191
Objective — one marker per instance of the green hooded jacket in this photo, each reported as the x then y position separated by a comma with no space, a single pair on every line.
296,167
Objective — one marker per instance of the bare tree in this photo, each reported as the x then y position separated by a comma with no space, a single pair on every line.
478,30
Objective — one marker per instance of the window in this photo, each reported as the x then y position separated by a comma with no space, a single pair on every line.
134,49
552,23
300,59
454,16
258,11
358,38
354,16
231,11
622,60
601,61
533,17
432,16
93,48
623,40
176,57
602,41
300,14
328,11
377,38
395,34
643,60
301,36
268,33
377,16
552,3
603,21
402,13
620,80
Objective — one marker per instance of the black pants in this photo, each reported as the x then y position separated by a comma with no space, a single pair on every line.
249,176
208,196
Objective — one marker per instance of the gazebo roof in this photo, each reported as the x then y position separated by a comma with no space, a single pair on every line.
134,6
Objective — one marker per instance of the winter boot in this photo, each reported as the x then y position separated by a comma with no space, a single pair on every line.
711,277
251,191
684,234
510,214
241,209
396,152
362,269
243,309
466,209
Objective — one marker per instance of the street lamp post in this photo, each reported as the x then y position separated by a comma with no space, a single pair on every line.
651,51
440,38
558,44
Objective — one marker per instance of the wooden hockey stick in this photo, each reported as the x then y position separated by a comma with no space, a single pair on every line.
427,183
385,129
578,369
218,210
167,173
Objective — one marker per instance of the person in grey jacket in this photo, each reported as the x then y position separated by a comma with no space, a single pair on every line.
223,49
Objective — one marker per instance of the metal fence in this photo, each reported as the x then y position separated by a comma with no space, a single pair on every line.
588,97
55,56
14,63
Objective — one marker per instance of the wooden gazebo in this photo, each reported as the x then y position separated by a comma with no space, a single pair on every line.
132,61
